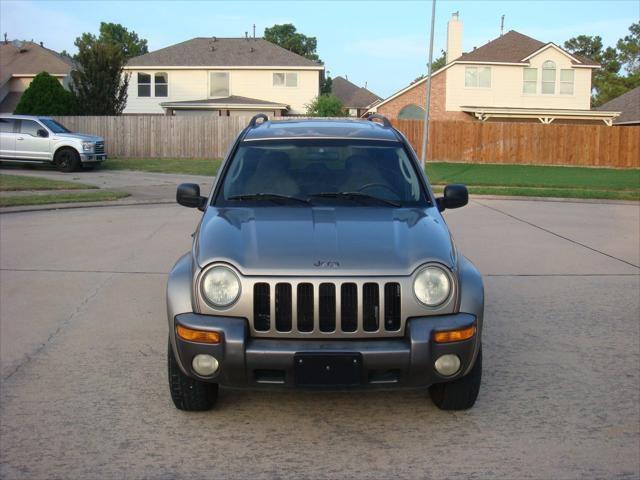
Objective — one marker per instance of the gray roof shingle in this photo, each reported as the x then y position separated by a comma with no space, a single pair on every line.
628,103
351,95
512,47
31,59
222,52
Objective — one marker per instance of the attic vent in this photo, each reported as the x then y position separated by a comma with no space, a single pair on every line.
253,49
213,39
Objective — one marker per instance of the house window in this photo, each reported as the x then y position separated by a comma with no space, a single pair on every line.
411,112
530,81
281,79
353,112
161,82
549,77
219,84
477,77
566,81
144,84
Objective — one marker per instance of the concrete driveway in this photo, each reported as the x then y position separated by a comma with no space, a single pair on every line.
83,352
144,187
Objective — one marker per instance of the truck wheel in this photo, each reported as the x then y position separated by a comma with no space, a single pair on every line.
67,160
459,394
188,393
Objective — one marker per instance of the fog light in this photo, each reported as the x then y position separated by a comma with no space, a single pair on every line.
447,365
205,365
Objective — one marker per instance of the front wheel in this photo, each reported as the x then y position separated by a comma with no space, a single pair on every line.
67,160
459,394
188,393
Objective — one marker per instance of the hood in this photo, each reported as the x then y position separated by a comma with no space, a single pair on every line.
83,137
326,241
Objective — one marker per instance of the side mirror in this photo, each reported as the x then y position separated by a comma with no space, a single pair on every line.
455,196
188,195
42,133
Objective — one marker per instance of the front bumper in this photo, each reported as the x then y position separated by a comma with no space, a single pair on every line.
93,157
252,362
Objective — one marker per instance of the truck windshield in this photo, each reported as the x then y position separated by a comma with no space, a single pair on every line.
54,126
365,172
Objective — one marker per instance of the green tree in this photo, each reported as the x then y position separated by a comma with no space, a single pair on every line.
607,82
288,37
129,42
99,85
326,86
45,96
325,106
436,65
629,48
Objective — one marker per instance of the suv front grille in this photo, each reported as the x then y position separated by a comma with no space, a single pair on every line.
99,147
284,309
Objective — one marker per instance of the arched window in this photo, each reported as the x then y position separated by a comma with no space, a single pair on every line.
549,77
411,112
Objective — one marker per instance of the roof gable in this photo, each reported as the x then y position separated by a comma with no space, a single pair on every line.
222,52
31,59
352,96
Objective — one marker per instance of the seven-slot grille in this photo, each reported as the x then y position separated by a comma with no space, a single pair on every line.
349,307
99,147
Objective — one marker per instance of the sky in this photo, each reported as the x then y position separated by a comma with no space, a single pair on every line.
382,44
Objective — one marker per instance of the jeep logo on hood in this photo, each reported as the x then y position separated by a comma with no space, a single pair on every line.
326,264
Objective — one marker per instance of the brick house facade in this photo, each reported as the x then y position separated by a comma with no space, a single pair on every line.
416,94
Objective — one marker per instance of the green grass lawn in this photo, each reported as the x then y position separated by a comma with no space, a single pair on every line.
189,166
66,197
538,181
12,183
534,176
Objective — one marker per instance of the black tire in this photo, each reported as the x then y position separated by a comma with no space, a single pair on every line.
188,393
67,160
459,394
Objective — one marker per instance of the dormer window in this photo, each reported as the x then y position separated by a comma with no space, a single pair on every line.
549,77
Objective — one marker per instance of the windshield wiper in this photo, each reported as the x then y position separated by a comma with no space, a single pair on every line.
356,196
274,197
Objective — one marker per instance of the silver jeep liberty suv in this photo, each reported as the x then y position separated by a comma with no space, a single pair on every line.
322,260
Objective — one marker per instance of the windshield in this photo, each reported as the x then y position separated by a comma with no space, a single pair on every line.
54,126
322,171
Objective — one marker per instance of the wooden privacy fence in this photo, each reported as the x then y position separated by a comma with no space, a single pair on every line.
527,143
147,136
156,136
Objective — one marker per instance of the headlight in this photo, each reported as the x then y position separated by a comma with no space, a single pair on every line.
88,146
220,286
432,286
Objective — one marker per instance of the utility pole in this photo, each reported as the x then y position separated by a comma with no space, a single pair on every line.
425,133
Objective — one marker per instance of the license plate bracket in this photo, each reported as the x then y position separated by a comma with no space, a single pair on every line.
328,369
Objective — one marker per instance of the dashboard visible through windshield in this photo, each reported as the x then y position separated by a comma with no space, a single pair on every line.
322,171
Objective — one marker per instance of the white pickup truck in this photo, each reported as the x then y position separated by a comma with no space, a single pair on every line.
34,139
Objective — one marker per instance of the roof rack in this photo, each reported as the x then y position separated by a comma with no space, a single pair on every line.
255,118
385,120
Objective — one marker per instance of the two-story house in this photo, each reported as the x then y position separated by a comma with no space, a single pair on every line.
512,78
222,76
20,62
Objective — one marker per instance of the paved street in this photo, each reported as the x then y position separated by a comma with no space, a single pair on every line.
83,360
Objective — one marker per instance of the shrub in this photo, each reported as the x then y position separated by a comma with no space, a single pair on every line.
45,96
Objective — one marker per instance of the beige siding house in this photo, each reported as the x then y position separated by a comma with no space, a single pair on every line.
222,76
513,77
20,62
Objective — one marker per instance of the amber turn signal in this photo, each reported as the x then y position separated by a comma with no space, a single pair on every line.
200,336
455,335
